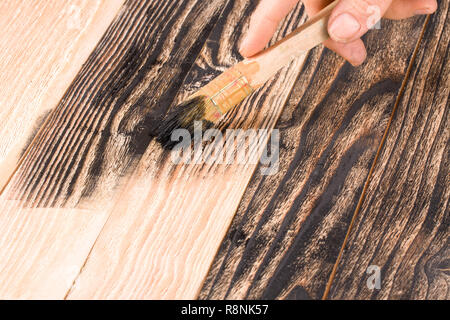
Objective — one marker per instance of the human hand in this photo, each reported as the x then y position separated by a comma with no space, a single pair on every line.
350,20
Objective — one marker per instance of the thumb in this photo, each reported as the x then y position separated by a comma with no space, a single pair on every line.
264,23
353,18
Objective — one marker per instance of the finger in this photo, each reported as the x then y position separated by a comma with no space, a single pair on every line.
352,18
314,6
402,9
263,24
354,52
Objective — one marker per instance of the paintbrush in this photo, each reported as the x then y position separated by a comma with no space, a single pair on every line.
212,101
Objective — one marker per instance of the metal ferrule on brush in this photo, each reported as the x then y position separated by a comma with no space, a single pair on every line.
225,92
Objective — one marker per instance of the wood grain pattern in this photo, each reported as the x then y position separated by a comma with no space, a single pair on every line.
91,140
44,44
163,233
288,228
43,249
403,226
97,209
102,123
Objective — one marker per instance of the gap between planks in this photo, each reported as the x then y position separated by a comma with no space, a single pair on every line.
374,163
46,277
132,174
144,210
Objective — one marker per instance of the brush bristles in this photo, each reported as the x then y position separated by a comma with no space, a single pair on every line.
183,116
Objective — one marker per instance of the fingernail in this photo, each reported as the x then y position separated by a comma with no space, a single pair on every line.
344,27
243,46
358,57
423,11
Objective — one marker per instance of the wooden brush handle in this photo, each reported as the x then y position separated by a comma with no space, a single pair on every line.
271,60
236,83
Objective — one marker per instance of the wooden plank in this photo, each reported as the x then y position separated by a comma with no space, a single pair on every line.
92,138
158,239
163,233
101,126
403,227
43,249
44,44
287,231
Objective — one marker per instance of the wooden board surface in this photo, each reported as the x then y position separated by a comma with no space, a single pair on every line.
403,227
91,139
97,209
178,215
101,126
289,228
44,44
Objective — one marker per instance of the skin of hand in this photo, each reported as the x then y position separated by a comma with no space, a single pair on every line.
350,20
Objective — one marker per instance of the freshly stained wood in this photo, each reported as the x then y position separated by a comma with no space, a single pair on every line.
403,227
288,228
102,123
163,233
98,209
43,45
92,138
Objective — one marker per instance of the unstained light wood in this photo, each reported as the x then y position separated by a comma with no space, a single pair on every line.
97,209
90,141
43,45
161,237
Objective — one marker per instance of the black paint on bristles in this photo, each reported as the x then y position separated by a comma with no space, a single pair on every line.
183,116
